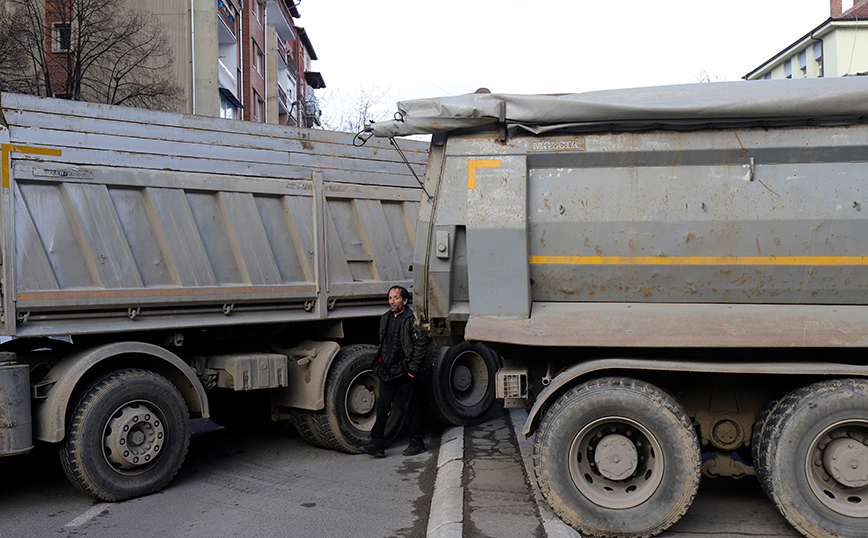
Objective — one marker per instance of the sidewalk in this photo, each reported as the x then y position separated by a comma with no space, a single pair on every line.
486,488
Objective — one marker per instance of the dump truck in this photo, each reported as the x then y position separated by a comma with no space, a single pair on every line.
676,281
159,267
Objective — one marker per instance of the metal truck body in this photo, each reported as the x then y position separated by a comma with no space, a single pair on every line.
157,267
664,272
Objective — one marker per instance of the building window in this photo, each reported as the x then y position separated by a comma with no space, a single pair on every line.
62,41
258,58
768,76
803,63
788,68
818,57
227,109
257,11
258,105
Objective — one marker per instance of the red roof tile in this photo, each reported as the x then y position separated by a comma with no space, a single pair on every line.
858,11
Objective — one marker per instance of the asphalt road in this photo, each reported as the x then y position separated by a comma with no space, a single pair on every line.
272,484
264,484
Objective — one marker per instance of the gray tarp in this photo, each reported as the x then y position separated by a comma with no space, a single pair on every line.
683,105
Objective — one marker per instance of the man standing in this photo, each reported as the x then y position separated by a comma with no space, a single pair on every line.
400,358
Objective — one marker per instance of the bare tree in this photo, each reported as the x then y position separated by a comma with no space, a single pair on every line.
704,76
87,50
350,111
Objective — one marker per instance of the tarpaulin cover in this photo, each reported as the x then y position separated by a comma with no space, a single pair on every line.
818,99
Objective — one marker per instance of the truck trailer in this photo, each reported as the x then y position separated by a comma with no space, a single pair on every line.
158,267
676,281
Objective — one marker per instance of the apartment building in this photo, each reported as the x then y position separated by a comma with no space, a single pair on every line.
837,47
244,59
241,59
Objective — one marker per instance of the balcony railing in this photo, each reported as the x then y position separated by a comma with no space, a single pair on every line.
228,16
281,98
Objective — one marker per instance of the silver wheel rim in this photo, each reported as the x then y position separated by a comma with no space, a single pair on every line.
613,478
134,437
837,467
468,378
360,403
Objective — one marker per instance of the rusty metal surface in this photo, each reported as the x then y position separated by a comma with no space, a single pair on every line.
678,325
731,217
137,221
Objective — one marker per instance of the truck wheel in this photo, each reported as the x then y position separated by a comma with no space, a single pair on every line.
617,457
127,435
458,384
760,438
817,463
351,395
303,422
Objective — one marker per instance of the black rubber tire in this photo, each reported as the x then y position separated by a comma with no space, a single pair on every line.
458,384
303,421
759,439
804,425
340,427
125,408
243,410
612,411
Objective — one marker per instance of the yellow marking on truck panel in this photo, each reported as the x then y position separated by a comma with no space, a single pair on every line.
700,260
7,149
472,165
159,292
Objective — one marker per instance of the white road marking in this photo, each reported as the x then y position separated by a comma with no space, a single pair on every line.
96,510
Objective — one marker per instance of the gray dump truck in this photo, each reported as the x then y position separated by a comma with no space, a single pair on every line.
676,280
158,267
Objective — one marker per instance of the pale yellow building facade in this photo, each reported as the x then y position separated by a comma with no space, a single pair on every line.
838,47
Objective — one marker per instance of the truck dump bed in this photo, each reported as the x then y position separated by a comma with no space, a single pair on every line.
119,219
670,217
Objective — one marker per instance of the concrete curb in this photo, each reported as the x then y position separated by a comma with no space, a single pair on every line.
554,527
445,519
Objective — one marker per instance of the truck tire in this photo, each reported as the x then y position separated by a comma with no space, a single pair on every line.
816,467
127,435
303,422
617,457
351,392
458,384
760,438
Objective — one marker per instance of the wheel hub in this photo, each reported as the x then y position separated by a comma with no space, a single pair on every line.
461,378
361,399
133,436
837,467
616,457
846,460
616,463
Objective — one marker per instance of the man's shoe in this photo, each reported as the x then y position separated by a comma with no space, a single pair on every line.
373,450
414,448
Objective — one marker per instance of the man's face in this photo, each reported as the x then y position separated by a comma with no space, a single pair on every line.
396,302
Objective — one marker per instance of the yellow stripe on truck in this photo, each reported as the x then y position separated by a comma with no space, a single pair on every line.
700,260
7,149
472,165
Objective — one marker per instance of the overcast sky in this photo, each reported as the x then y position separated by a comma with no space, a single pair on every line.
421,49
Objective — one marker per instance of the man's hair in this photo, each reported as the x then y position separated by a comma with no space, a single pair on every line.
404,293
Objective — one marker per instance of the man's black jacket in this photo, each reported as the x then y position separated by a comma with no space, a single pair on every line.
414,344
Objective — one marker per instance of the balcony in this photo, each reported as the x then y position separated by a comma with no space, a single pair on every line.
225,77
280,19
282,101
282,50
226,14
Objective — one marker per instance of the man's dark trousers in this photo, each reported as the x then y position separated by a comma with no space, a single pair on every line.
405,388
